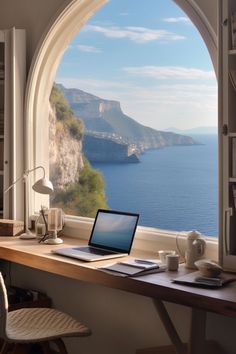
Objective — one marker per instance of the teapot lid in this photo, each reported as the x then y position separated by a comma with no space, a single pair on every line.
193,235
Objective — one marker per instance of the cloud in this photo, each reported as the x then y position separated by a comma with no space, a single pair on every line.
180,105
177,20
85,48
170,72
88,48
135,34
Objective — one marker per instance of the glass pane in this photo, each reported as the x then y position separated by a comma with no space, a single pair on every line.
136,119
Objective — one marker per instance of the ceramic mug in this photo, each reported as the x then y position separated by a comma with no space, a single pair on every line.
164,253
172,262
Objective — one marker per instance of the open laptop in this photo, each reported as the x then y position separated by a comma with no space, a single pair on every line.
111,237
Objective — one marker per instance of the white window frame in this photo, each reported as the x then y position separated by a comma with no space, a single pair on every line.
66,24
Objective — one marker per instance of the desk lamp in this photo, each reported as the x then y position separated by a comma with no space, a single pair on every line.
42,186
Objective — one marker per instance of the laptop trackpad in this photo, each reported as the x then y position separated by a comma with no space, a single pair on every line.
93,250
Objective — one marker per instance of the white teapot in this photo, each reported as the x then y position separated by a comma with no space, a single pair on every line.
195,248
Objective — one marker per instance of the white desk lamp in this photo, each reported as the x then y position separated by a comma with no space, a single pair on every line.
42,186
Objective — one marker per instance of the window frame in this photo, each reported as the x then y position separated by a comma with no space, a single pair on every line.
66,24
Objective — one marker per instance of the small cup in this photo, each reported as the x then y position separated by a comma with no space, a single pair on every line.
172,262
164,253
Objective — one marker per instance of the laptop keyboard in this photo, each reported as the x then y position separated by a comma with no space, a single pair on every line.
95,251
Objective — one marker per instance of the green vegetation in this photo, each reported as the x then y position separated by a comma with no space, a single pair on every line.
65,114
88,195
85,197
57,99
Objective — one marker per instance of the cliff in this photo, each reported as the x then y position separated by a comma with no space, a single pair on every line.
102,149
101,115
65,154
65,148
78,188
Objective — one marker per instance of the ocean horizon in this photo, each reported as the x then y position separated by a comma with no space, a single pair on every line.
174,188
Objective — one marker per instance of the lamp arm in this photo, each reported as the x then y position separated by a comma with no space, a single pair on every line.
17,180
26,173
34,169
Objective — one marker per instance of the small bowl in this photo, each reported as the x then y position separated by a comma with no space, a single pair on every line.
208,268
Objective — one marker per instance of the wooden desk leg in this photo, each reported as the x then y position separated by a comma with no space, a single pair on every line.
169,326
197,342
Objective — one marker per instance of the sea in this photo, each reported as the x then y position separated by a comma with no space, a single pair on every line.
174,188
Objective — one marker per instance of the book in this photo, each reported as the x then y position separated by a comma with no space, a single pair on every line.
130,270
195,279
141,263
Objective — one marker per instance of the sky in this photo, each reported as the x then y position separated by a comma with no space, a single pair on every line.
147,55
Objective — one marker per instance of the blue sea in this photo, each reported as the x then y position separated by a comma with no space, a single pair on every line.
175,188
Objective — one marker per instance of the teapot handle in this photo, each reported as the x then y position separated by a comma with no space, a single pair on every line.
201,245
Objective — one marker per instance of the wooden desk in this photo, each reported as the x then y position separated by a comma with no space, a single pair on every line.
156,286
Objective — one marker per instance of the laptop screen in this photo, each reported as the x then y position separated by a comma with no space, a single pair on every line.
114,230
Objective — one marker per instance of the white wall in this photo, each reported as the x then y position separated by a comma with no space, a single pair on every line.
32,15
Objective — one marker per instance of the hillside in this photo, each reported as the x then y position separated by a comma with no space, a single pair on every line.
78,188
101,115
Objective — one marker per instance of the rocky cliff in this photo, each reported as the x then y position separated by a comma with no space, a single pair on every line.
78,188
102,149
101,115
65,153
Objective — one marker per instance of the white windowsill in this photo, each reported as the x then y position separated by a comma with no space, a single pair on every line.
146,238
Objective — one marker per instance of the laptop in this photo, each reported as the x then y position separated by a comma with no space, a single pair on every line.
111,237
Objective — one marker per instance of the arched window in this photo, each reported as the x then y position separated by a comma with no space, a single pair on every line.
43,72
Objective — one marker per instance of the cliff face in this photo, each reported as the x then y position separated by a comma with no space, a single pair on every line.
98,149
100,115
78,188
65,154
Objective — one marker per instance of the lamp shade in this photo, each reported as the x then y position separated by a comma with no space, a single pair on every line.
43,186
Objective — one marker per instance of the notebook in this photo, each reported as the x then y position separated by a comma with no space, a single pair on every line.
111,237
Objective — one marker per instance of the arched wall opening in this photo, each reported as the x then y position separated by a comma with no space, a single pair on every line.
46,60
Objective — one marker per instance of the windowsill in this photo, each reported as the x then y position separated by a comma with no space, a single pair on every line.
146,238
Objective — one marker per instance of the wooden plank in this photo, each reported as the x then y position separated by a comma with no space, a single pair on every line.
31,253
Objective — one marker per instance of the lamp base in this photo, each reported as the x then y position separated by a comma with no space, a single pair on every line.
27,235
53,241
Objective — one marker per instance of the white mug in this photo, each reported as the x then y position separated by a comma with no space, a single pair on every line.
172,262
164,253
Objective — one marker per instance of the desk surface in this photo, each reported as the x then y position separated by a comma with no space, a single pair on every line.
32,254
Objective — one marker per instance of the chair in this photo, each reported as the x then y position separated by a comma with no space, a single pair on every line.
22,328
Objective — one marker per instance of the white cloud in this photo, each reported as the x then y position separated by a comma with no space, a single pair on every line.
85,48
170,72
177,20
136,34
183,106
88,48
